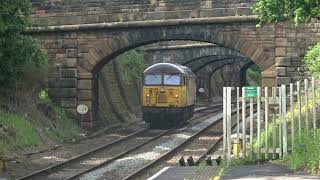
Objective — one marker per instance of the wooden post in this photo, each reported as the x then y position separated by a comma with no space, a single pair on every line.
244,136
299,107
266,118
259,120
284,121
274,129
314,108
251,127
229,123
280,123
292,116
224,121
238,120
306,103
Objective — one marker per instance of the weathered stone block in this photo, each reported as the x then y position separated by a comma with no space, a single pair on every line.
69,73
283,61
280,51
72,53
85,95
281,42
85,84
283,80
281,71
63,92
68,62
268,82
63,83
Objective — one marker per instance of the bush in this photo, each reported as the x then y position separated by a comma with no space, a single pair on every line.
312,60
16,49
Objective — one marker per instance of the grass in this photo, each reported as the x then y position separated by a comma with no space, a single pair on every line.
65,127
20,133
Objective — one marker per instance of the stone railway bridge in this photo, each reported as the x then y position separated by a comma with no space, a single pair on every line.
81,36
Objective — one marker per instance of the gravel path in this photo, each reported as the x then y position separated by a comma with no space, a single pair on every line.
127,165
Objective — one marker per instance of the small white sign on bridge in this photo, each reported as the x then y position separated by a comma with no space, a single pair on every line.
82,109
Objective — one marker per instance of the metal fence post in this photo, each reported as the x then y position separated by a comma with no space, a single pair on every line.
306,103
229,122
259,119
314,108
266,118
251,127
238,120
292,116
274,129
280,123
299,107
224,121
244,138
284,120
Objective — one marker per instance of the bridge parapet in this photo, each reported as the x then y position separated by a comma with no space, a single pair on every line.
62,12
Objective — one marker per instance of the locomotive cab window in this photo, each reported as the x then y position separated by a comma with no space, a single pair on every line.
172,80
151,79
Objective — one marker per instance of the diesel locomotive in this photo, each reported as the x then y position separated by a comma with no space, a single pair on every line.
168,95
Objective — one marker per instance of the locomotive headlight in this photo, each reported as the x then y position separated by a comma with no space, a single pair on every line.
148,97
176,96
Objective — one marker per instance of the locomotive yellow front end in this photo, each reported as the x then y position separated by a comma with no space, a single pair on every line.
164,95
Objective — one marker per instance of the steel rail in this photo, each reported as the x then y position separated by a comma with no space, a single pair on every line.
214,145
83,155
141,170
55,167
132,149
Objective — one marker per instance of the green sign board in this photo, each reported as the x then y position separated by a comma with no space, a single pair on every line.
250,92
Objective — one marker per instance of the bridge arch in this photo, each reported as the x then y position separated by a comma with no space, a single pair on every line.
105,51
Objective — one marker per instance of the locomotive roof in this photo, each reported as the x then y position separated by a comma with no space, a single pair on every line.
168,68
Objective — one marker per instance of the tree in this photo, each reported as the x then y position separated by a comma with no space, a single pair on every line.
300,11
16,49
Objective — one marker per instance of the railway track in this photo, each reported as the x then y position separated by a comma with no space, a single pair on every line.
213,132
96,158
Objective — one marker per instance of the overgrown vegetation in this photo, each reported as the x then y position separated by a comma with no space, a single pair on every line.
312,60
132,65
16,49
279,10
254,72
27,115
306,149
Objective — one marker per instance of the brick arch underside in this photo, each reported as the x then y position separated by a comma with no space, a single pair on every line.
105,50
208,65
108,45
243,63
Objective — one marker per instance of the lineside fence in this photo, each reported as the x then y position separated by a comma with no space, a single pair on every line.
262,131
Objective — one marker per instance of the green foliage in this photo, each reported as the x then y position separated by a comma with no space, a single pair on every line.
16,49
132,65
255,73
312,60
20,133
64,127
306,153
278,10
44,96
